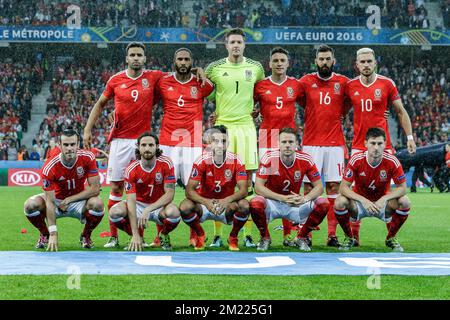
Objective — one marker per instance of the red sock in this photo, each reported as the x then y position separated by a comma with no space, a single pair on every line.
398,218
355,228
193,221
343,217
37,219
239,219
93,219
257,207
169,224
319,212
192,235
287,227
124,225
159,228
114,197
331,218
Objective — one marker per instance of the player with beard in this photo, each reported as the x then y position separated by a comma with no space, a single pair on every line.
322,97
133,93
150,189
182,124
371,94
66,193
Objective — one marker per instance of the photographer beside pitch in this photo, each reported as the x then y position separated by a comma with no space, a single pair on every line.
65,193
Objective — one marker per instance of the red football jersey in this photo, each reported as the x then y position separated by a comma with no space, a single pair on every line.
373,182
277,108
447,159
67,181
370,104
218,182
53,152
133,102
183,110
324,102
149,185
282,179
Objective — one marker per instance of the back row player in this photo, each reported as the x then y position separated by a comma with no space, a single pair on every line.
133,91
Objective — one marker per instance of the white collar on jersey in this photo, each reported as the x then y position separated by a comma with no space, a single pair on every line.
278,84
148,171
126,73
174,76
325,79
62,162
367,159
368,85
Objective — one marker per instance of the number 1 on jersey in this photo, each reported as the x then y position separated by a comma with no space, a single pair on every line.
325,100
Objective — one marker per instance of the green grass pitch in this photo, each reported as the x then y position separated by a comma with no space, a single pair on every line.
426,230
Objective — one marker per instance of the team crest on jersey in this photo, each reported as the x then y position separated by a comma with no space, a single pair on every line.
349,173
158,177
263,171
228,174
248,75
337,88
290,92
127,186
377,94
145,83
297,175
80,171
383,175
194,92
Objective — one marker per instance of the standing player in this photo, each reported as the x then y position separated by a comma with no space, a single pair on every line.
65,193
133,93
325,106
182,123
278,184
210,192
276,96
234,78
371,94
371,172
132,90
150,189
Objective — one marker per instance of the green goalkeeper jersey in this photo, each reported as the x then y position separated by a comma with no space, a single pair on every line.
234,83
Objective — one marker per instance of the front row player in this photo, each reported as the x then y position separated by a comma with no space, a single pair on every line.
150,188
278,182
371,172
210,192
65,193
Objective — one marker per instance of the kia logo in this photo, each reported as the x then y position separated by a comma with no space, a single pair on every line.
25,178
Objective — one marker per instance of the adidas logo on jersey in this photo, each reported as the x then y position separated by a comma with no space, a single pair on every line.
209,174
62,178
268,92
356,93
123,86
140,181
363,174
225,74
170,89
314,86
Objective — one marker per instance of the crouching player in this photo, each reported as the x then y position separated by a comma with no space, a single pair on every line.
150,188
278,182
371,172
210,191
65,193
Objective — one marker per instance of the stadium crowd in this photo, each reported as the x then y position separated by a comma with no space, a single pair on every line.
221,13
18,83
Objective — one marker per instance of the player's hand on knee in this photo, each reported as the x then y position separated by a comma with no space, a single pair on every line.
52,243
371,207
